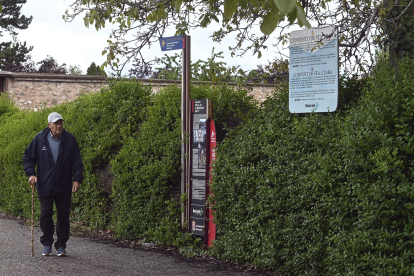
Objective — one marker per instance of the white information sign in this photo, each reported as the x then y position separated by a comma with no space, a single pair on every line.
313,71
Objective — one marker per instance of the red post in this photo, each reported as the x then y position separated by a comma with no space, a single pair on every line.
211,225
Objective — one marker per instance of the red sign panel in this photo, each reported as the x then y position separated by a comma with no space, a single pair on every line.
212,150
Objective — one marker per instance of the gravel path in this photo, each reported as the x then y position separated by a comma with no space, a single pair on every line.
89,257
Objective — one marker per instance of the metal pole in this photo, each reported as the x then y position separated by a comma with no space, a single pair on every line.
185,123
183,131
188,111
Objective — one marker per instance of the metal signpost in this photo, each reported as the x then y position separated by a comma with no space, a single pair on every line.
183,43
196,154
313,71
201,118
172,43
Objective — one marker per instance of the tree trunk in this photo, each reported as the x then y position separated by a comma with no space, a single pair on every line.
400,29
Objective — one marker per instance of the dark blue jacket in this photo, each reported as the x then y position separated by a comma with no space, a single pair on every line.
53,179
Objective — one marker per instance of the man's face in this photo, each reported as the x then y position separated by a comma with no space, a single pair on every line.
56,128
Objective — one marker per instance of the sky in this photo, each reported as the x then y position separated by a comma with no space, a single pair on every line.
74,44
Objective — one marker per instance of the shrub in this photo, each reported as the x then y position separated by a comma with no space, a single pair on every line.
99,121
147,169
370,180
16,132
264,194
125,130
7,107
322,194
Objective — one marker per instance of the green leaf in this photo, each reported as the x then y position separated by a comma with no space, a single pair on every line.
206,20
243,3
273,6
285,6
86,21
292,16
178,5
230,6
1,8
214,17
269,23
254,3
301,16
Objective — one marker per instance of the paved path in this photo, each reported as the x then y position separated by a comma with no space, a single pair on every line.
88,257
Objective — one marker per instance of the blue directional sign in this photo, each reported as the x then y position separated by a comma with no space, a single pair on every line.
172,43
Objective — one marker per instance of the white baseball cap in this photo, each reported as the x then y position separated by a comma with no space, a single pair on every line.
53,117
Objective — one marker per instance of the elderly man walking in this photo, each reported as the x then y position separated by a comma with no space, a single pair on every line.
59,173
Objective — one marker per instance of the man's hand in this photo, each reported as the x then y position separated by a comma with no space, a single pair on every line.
32,180
76,186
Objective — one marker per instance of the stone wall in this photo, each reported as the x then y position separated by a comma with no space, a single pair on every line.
33,91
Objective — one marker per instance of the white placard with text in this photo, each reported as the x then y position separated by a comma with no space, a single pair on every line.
313,71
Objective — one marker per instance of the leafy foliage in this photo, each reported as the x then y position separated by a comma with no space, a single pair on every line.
130,145
359,25
152,18
147,169
94,69
10,18
309,194
13,54
100,121
51,66
276,71
400,38
48,66
210,70
7,107
322,194
214,70
75,70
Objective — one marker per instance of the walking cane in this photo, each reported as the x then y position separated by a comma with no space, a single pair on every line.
33,192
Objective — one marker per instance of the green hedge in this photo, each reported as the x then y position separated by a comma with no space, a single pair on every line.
310,194
130,145
147,169
100,121
323,194
17,129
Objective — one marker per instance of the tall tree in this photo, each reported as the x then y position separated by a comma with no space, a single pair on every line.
398,27
360,25
95,70
50,66
13,54
75,70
